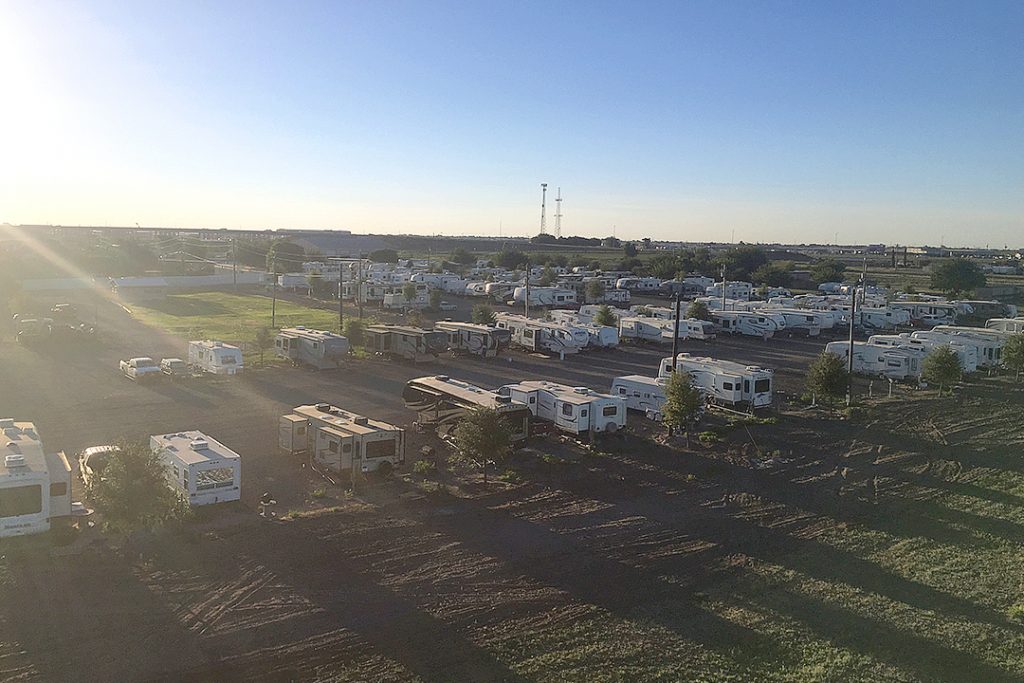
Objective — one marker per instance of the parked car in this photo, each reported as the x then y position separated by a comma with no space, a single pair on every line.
92,460
140,368
175,368
447,306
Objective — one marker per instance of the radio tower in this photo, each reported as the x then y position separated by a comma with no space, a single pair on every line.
558,214
543,204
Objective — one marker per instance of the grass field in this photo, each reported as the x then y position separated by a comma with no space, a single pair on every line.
227,317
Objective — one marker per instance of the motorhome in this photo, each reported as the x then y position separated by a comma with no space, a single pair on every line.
724,382
1014,325
646,394
649,330
203,470
967,353
539,335
319,349
476,340
35,486
733,290
337,439
441,402
576,410
408,343
639,285
874,360
927,313
397,297
746,323
214,357
545,296
810,323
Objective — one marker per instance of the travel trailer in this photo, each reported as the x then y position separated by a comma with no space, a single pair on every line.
337,439
408,343
545,296
966,353
35,486
927,313
874,360
1014,325
733,290
598,336
316,348
977,312
476,340
746,323
203,470
646,394
576,410
214,357
639,285
724,382
649,330
798,320
539,335
441,402
989,342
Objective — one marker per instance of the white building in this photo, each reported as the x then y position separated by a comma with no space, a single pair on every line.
35,487
202,469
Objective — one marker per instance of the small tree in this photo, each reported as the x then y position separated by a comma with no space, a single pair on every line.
414,318
827,270
435,299
354,332
942,367
133,492
773,274
264,340
547,277
1013,354
698,310
957,275
629,249
481,439
684,403
409,292
484,315
605,316
827,376
314,282
595,291
383,256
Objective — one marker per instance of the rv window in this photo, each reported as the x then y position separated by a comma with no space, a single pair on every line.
220,478
727,386
21,500
583,413
533,399
316,345
346,448
610,410
380,449
332,446
59,488
567,409
622,391
746,386
528,334
762,385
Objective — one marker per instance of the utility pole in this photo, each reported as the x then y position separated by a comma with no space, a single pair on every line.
723,286
849,369
234,261
675,337
359,289
527,303
273,300
341,305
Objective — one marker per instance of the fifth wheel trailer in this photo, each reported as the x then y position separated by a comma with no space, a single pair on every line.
316,348
577,410
336,439
724,382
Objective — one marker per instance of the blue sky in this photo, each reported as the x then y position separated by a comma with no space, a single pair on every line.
815,121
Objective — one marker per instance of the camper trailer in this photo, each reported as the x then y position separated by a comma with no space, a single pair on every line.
201,469
315,348
977,312
476,340
733,290
988,342
927,313
1014,325
724,382
407,343
576,410
598,336
441,402
336,439
639,285
214,357
35,486
810,323
966,353
873,360
746,323
650,330
539,335
646,394
545,296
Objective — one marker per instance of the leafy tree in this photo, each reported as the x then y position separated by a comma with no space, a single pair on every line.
611,242
409,291
605,316
560,260
595,291
957,275
827,270
383,256
684,403
629,249
740,262
827,376
264,340
698,310
547,277
435,299
942,367
463,257
285,257
594,265
133,492
544,238
642,311
510,258
773,274
354,332
414,318
482,439
1013,354
314,282
484,315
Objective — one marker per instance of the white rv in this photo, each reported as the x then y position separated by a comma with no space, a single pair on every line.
408,343
639,285
646,394
316,348
499,291
336,439
441,401
545,296
966,353
724,382
650,329
203,470
927,313
1014,325
745,323
598,336
733,290
214,357
539,335
809,322
35,487
890,362
476,340
988,342
576,410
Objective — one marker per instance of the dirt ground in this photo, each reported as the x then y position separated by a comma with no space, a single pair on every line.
633,561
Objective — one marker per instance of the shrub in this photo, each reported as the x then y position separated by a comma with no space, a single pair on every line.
424,467
707,438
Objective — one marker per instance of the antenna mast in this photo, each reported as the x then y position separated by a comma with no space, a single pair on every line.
543,205
558,214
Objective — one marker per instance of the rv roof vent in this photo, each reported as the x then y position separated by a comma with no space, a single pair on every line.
360,420
323,407
300,327
7,423
218,344
442,378
199,445
503,399
580,390
14,461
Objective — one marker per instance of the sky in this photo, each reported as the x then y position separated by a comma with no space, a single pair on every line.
893,122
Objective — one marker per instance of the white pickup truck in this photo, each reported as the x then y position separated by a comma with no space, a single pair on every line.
140,368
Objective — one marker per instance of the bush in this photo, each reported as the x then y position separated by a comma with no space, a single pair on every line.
708,438
1016,612
484,315
424,467
827,376
698,310
354,332
942,367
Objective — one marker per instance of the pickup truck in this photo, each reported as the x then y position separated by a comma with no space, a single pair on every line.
140,368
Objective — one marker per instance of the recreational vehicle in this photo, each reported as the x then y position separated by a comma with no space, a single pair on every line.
810,322
977,312
639,285
214,357
576,410
897,363
1014,325
476,340
733,290
35,487
646,394
927,313
545,296
724,382
746,323
650,329
316,348
203,470
441,402
966,353
539,335
336,439
408,343
598,336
